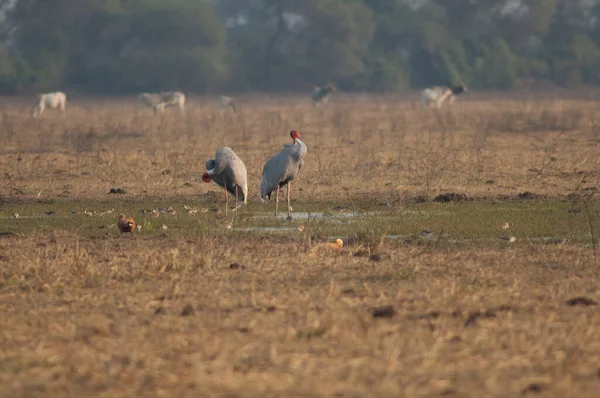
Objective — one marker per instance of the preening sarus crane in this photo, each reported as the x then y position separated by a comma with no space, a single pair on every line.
229,172
281,169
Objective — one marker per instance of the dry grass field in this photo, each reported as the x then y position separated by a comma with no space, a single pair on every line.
469,266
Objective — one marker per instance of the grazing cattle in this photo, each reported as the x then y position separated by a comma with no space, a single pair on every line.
227,102
160,101
56,100
320,95
438,95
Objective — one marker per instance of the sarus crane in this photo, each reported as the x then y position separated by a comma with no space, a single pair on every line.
281,169
229,172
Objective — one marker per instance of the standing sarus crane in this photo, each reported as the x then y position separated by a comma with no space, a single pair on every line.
281,169
229,172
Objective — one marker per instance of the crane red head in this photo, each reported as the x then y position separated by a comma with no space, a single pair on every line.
295,134
206,177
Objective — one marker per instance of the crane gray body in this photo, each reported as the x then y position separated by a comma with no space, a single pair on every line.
228,171
281,169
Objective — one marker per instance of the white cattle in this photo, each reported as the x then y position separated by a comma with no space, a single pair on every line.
438,95
320,95
226,102
56,100
160,101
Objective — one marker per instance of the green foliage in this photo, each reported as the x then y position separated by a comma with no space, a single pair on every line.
15,73
124,47
337,36
387,75
117,46
496,67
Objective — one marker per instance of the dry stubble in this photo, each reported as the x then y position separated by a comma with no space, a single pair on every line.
220,316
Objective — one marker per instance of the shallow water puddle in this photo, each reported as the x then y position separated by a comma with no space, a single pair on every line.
300,216
305,216
265,229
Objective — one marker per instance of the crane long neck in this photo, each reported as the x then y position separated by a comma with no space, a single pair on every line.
301,146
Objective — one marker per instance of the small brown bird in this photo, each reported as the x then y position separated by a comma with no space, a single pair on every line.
322,248
337,245
126,224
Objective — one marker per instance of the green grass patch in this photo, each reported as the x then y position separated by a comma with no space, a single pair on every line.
476,221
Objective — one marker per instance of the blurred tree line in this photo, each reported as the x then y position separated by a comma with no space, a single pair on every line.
125,46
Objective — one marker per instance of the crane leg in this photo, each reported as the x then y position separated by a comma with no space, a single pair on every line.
236,201
288,200
236,196
276,199
226,201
